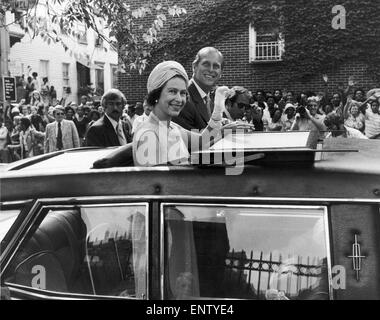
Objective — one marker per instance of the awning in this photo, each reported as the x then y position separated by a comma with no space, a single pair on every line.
84,59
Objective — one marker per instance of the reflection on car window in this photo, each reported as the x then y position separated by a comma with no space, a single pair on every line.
7,218
245,253
96,250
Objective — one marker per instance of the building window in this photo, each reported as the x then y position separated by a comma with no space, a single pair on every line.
114,75
44,68
65,74
82,33
99,40
99,78
265,46
20,18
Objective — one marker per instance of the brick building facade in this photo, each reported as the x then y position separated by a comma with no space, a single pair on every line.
254,75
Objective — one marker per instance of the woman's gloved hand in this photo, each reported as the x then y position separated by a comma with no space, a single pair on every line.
219,103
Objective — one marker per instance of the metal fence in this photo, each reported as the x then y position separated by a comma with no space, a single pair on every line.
269,51
263,274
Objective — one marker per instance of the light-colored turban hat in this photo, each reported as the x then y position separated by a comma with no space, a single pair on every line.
163,72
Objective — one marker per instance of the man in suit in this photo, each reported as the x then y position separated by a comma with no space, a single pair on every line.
110,130
61,134
207,70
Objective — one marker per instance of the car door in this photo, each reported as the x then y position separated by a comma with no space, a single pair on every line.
80,248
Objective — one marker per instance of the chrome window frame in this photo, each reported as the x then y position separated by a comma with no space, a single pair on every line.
266,206
61,204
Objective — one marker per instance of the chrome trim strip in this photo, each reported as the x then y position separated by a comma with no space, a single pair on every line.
46,294
147,250
329,253
16,203
213,198
52,206
324,217
162,264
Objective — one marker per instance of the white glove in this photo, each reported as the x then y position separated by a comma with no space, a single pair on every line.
219,103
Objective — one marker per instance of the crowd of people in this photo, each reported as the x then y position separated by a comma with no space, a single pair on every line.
40,124
37,125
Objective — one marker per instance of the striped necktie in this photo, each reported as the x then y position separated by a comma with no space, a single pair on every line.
120,134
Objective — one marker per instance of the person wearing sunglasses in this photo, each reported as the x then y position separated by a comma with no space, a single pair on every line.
61,134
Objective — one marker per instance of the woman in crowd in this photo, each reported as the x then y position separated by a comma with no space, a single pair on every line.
353,118
29,89
45,91
53,97
69,112
30,139
36,98
15,148
159,140
276,123
36,119
289,116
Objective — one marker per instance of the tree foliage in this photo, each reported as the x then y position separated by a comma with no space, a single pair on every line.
132,28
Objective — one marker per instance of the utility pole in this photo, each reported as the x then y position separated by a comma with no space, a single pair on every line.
4,53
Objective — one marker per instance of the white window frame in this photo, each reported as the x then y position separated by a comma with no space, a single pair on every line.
114,70
254,45
66,78
99,66
43,64
82,30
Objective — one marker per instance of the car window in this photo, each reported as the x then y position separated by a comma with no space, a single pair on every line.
7,218
245,252
92,250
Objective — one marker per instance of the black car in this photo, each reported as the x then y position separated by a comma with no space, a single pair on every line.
281,229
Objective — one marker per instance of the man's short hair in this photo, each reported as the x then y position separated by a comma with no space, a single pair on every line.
112,94
357,90
58,108
204,51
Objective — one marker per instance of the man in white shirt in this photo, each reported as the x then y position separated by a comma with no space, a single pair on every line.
35,82
110,130
61,134
140,119
372,120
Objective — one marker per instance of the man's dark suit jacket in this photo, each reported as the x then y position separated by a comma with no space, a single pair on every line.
102,134
194,114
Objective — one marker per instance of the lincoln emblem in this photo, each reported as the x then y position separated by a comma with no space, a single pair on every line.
356,258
